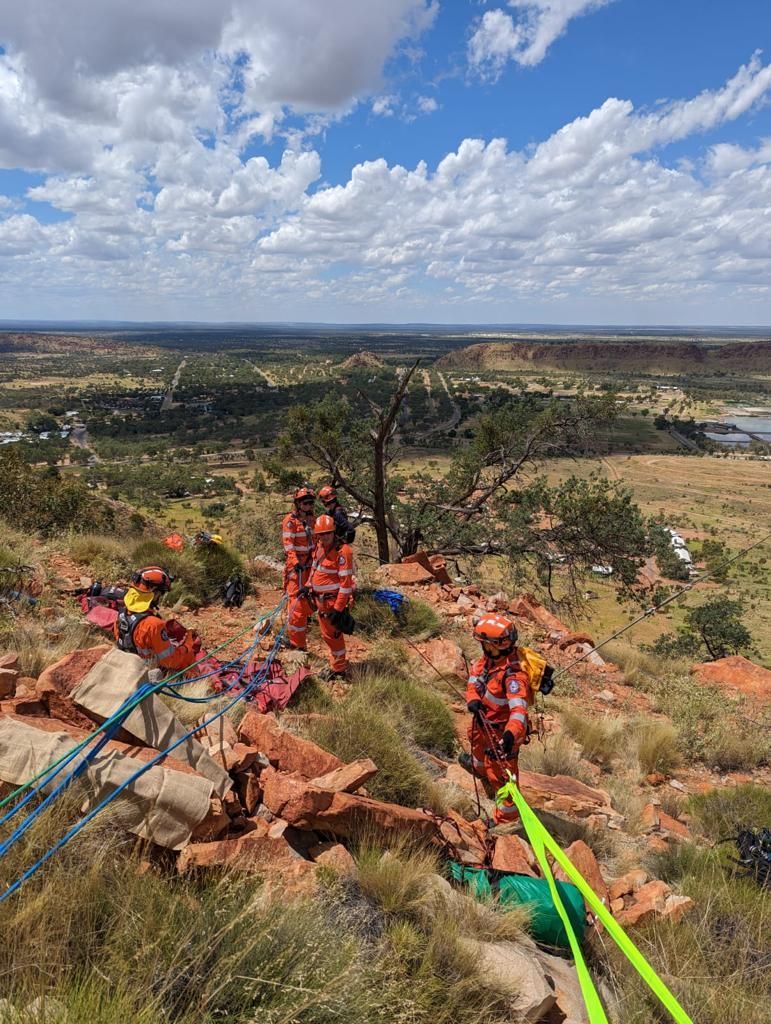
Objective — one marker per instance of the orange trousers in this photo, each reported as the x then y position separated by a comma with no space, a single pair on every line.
299,609
333,638
492,770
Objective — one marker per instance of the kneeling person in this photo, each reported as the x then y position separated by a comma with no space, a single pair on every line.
140,628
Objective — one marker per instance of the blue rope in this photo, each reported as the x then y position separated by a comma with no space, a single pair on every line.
15,886
77,771
134,701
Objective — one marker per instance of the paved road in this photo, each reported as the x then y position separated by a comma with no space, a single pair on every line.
168,398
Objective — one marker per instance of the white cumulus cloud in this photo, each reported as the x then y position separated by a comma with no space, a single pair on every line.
525,37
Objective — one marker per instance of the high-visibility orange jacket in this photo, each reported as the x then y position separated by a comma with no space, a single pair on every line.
332,576
150,640
297,538
502,685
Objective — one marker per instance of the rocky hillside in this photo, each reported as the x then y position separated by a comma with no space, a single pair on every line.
350,799
648,357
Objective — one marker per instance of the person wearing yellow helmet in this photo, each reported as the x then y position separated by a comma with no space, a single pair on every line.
141,629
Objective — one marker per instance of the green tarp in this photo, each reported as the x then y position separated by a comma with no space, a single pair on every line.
546,925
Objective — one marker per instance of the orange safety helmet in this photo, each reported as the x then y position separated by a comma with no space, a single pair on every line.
324,524
304,492
327,494
153,579
495,629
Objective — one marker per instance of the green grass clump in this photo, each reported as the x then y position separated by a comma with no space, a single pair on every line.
357,729
104,557
715,959
599,738
657,745
720,813
556,756
102,941
415,619
712,727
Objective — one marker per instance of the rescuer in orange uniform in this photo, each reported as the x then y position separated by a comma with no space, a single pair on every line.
497,697
297,538
330,593
140,628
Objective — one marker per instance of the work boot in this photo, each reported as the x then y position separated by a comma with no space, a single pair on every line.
464,760
328,674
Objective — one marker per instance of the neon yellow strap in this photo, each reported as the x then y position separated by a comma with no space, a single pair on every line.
541,841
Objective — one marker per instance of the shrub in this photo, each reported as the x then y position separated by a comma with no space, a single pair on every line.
657,745
722,811
45,501
599,738
414,619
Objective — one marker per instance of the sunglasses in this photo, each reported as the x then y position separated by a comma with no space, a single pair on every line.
307,501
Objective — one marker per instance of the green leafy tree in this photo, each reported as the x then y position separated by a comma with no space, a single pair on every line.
714,627
488,502
715,554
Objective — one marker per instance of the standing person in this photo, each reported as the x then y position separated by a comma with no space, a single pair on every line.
328,498
141,629
297,538
497,698
332,587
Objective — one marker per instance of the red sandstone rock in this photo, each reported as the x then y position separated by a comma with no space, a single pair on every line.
676,906
513,854
348,778
526,607
10,660
215,734
561,793
737,674
283,749
405,573
57,682
467,838
674,827
8,677
649,817
446,656
439,569
335,856
649,901
252,854
583,858
293,798
628,883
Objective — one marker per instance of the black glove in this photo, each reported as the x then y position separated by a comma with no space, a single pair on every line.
304,592
336,618
475,708
507,743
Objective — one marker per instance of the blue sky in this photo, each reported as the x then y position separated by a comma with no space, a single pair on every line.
339,161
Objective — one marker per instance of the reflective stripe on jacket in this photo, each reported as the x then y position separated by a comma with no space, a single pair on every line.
297,538
151,641
503,687
332,575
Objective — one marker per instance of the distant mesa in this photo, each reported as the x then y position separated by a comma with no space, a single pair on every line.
586,355
362,358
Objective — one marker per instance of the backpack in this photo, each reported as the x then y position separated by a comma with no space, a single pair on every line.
127,623
234,592
538,670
